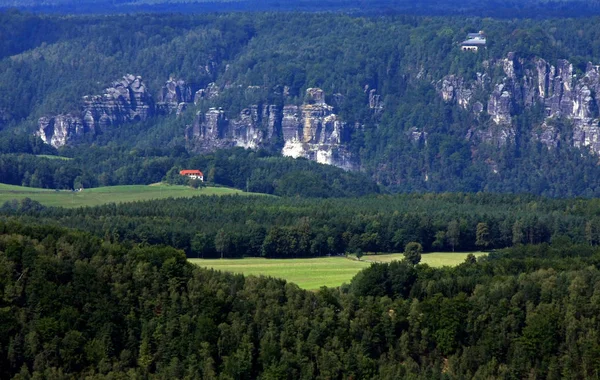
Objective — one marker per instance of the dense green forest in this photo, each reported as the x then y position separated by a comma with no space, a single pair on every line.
260,172
107,292
48,62
527,8
236,226
73,305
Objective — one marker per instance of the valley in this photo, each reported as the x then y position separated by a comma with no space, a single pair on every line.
308,190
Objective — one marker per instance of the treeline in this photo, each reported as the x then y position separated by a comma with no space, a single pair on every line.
507,9
74,305
237,226
260,172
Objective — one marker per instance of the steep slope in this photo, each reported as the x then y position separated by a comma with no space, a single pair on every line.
394,97
557,89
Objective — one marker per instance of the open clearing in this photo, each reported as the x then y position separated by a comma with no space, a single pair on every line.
111,194
434,259
323,271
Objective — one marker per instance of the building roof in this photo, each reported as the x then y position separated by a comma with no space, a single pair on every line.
475,35
474,42
190,172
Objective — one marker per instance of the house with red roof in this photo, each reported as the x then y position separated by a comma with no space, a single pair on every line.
192,174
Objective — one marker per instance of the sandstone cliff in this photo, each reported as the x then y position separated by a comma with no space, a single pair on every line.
310,130
525,83
126,100
174,97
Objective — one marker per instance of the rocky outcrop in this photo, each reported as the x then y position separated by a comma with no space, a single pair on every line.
126,100
61,129
375,102
547,134
453,88
176,91
311,130
174,97
499,105
210,92
557,88
255,126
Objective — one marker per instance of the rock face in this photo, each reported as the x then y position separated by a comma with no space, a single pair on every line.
126,100
61,129
210,92
311,130
174,97
254,127
557,88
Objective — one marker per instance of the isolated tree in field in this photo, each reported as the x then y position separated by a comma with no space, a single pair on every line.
412,252
453,234
470,259
359,253
482,235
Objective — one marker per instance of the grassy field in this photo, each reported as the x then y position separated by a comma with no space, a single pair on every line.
324,271
102,195
434,259
306,273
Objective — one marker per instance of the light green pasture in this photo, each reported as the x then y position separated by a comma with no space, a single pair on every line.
323,271
111,194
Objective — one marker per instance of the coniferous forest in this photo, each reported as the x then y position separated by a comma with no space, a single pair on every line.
433,149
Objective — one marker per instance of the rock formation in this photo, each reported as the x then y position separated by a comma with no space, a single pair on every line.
61,129
311,130
254,127
557,88
126,100
174,97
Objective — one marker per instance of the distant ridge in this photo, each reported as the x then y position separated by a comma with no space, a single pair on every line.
483,8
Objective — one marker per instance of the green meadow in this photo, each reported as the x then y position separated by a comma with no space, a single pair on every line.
111,194
434,259
323,271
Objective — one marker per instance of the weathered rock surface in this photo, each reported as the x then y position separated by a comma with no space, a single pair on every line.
126,100
311,130
375,102
557,88
210,92
61,129
174,96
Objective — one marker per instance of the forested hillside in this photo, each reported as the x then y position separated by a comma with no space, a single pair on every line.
235,226
526,8
73,305
400,101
